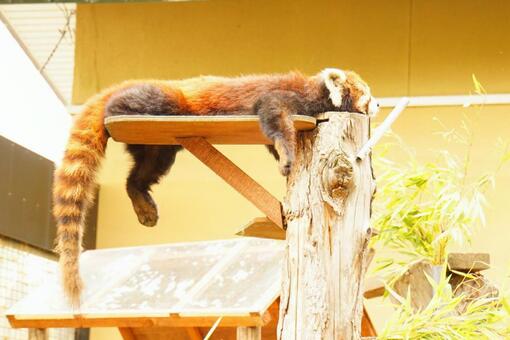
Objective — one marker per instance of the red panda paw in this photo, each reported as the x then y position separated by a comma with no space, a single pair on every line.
148,219
146,210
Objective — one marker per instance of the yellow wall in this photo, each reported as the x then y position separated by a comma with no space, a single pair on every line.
399,47
433,53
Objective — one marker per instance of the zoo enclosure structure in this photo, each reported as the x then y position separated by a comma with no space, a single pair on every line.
331,218
174,291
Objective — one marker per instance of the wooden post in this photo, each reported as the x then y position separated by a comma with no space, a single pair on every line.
327,210
249,333
37,334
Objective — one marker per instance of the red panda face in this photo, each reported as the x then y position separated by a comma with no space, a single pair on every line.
349,92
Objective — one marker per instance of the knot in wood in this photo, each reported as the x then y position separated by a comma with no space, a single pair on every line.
337,175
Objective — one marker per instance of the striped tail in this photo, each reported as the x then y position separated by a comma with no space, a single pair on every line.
73,192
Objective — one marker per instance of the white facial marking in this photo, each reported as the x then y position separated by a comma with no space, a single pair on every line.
373,107
333,78
363,100
329,72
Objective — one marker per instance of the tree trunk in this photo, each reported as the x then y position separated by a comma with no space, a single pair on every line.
327,209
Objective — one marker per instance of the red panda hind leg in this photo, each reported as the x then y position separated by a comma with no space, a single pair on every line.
274,110
150,164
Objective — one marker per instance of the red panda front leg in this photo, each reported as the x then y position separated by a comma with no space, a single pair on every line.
274,110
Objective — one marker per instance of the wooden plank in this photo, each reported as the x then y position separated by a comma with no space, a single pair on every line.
234,176
121,322
194,333
127,333
164,130
374,287
249,333
469,262
367,327
262,227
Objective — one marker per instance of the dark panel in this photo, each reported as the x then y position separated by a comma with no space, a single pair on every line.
6,156
26,180
29,200
82,334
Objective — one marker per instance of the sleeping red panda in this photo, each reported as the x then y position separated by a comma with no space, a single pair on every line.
272,97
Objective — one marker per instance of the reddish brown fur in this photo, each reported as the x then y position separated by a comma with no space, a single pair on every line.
73,190
243,92
75,178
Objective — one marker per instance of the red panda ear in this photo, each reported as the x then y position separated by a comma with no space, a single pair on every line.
334,80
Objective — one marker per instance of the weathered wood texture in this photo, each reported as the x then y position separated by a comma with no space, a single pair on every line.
234,176
469,262
144,129
327,210
249,333
414,281
472,288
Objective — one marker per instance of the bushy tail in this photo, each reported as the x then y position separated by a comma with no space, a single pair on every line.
73,191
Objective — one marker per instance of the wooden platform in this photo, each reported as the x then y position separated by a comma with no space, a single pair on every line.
164,130
262,227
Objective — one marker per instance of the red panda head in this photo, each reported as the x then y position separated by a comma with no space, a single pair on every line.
349,92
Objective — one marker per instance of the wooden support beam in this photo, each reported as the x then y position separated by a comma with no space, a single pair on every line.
194,333
327,208
367,327
374,287
249,333
262,227
127,333
234,176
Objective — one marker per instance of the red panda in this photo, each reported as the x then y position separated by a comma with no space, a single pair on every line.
272,97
